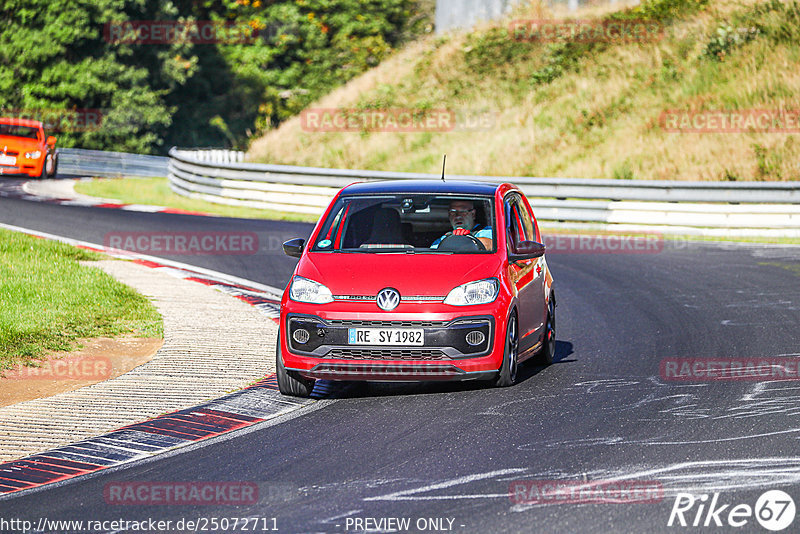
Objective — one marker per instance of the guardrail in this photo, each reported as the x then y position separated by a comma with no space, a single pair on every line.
704,208
82,162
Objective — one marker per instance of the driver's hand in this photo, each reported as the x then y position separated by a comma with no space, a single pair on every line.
460,231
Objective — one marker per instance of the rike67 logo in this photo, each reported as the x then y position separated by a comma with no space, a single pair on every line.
774,510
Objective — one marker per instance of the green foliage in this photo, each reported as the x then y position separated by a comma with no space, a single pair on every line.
725,39
768,162
729,175
623,171
490,50
660,10
560,58
55,58
486,51
304,50
776,21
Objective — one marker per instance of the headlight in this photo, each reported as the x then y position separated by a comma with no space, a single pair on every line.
305,290
478,292
33,155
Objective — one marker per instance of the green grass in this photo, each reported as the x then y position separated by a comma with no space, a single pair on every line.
156,191
48,301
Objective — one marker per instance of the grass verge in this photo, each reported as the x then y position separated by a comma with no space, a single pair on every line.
156,191
48,301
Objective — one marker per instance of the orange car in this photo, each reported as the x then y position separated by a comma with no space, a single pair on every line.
24,149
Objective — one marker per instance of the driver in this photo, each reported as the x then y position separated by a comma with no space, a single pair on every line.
462,218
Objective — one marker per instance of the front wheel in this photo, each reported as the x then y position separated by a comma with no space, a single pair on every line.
291,382
508,370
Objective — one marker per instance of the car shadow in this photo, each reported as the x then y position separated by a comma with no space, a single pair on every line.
356,390
532,368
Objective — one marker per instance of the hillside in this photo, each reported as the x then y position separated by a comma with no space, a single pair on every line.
576,108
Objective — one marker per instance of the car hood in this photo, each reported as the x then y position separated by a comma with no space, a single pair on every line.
19,143
410,274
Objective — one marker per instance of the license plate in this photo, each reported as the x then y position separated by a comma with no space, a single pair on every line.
385,336
7,160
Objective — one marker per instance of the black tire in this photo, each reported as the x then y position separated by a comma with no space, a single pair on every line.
548,351
290,382
508,370
43,174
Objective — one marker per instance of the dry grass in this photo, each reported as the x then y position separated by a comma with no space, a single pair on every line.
598,120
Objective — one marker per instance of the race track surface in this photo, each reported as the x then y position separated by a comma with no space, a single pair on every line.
453,451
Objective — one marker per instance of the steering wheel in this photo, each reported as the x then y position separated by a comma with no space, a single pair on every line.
461,243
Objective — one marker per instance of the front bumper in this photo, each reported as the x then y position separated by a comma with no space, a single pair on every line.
327,350
25,170
392,372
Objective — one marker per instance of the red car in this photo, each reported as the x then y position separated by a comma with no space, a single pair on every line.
417,280
24,149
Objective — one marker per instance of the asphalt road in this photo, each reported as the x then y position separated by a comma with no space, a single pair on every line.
446,455
265,263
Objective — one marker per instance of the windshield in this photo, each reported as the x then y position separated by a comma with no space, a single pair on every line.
15,130
409,223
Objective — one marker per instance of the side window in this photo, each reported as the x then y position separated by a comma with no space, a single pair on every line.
515,226
527,223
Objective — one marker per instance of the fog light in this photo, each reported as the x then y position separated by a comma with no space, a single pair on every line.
475,337
301,336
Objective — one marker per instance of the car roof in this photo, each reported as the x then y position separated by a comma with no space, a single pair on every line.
421,186
20,122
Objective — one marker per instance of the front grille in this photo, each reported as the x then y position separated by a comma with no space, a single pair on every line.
387,324
11,153
388,354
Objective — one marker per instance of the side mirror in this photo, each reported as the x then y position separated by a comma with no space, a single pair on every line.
51,141
526,250
294,247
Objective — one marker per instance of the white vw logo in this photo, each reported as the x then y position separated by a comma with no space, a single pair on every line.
388,299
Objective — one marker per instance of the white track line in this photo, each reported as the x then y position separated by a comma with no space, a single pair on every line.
125,254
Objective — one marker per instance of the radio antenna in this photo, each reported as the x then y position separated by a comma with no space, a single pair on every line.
444,160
